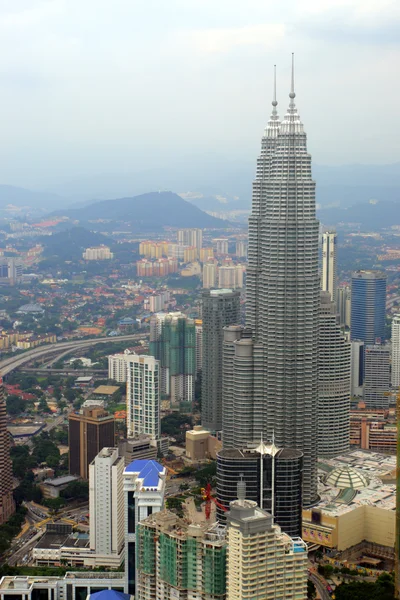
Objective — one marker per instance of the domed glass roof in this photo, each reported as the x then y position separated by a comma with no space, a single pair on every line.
346,477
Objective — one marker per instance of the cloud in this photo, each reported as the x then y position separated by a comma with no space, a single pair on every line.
216,41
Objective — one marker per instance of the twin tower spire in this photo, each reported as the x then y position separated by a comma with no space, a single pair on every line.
291,122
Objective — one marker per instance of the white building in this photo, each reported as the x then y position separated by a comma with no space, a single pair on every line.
220,245
98,253
357,367
328,277
144,490
343,303
241,249
117,369
396,351
75,585
262,560
106,507
190,237
143,396
209,275
230,277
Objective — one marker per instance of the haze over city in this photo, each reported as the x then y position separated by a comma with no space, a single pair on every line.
89,88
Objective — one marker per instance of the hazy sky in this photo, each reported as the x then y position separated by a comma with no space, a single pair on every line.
88,86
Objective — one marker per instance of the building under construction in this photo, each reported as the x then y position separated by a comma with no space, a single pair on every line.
179,560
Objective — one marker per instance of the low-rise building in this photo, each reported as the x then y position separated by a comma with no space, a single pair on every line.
51,488
201,445
358,500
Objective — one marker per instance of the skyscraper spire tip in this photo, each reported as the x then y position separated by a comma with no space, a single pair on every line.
274,102
292,95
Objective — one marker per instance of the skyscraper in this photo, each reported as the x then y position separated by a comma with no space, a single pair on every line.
89,430
7,506
220,308
328,275
209,275
143,396
191,237
343,303
334,383
368,306
144,490
283,293
396,351
277,472
106,504
377,376
173,343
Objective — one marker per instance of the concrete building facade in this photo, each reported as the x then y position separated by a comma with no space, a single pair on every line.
143,396
219,308
106,507
7,505
334,379
262,562
328,275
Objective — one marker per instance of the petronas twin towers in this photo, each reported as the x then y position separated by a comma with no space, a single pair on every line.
271,366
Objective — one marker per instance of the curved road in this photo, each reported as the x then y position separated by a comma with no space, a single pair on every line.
321,588
9,364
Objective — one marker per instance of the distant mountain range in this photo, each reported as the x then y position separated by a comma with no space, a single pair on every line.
21,197
150,211
368,216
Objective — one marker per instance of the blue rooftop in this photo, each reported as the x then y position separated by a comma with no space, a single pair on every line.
109,595
148,470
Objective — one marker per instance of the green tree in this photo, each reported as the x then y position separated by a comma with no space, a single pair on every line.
311,590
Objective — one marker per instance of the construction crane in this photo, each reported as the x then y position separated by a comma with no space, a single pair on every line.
208,497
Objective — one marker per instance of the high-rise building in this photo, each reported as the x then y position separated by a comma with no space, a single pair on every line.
90,430
209,275
199,346
241,249
106,507
143,396
357,367
219,308
396,351
343,303
263,561
230,276
328,275
98,253
7,506
191,237
179,560
144,490
117,366
368,306
377,376
270,473
283,295
220,245
334,383
206,254
10,270
173,343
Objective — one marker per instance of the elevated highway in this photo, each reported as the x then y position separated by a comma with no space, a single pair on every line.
14,362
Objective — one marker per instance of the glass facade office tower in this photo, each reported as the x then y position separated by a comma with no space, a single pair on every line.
283,295
246,463
368,306
396,351
220,308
